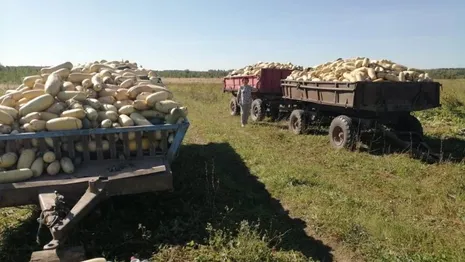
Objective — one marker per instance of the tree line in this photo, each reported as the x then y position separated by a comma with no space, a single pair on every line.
15,74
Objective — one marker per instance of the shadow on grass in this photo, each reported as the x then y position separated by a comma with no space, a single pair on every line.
450,149
18,242
212,185
283,125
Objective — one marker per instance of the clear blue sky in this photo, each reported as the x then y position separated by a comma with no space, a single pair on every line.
225,34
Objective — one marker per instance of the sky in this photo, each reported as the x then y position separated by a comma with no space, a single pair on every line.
225,34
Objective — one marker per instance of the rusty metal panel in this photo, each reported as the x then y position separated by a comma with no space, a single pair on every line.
232,84
397,96
269,81
366,96
326,93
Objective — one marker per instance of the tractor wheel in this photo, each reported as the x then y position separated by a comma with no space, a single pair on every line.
257,112
234,108
297,123
342,133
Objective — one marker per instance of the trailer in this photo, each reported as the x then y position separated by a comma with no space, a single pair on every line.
349,109
352,108
66,198
267,96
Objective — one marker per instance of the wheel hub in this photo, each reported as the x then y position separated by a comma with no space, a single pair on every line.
232,106
338,135
296,124
255,111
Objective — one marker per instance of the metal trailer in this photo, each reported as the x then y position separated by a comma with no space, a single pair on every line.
347,108
267,96
99,175
351,108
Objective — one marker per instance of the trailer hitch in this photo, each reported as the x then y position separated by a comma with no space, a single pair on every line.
59,219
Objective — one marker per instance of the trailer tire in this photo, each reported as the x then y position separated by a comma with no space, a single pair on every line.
297,123
234,108
257,112
341,132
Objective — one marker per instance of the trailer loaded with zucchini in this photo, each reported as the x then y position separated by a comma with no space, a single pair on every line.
80,134
350,96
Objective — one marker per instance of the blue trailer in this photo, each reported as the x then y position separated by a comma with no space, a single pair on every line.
99,173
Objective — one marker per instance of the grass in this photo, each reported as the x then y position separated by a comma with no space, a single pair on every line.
262,194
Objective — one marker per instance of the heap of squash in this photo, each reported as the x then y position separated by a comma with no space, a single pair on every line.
360,69
66,97
256,69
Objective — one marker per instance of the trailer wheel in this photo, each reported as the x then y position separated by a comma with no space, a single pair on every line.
341,132
297,123
257,111
234,108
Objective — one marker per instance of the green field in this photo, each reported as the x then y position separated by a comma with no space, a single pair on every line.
261,193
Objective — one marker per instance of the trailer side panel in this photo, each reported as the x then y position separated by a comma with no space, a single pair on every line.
377,97
268,83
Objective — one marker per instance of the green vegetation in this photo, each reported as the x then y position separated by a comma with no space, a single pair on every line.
447,73
14,74
195,74
262,194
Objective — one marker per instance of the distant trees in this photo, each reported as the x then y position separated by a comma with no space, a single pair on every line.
195,74
447,73
15,74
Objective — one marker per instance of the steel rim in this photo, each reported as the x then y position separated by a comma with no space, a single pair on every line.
255,111
295,124
232,106
338,135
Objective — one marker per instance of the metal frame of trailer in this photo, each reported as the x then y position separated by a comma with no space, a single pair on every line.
102,174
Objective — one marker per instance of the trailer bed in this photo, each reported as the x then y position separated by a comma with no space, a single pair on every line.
123,177
134,165
116,163
379,97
